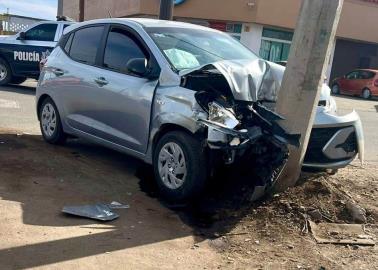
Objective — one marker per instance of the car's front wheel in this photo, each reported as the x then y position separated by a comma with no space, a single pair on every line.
335,89
366,93
50,123
180,166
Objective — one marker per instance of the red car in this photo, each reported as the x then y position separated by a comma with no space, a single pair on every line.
361,82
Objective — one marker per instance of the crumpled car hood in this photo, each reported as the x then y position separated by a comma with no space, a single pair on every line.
249,80
257,80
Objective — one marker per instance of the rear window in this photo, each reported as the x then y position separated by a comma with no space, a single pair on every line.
85,43
67,47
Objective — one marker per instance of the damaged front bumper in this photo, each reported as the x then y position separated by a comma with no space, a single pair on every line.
335,141
261,145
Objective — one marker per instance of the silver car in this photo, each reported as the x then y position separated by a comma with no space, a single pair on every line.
181,97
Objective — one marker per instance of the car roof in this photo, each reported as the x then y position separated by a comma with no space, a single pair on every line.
57,22
371,70
143,22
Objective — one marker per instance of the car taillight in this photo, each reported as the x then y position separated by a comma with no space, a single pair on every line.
376,83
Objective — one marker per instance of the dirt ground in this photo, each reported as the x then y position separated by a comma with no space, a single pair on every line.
222,230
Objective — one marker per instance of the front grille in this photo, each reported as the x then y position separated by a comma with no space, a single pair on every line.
320,137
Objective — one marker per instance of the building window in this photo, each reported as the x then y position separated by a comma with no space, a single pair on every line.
275,45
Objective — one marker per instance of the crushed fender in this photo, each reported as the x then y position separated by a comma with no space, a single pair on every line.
239,127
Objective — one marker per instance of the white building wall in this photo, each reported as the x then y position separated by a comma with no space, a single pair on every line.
251,36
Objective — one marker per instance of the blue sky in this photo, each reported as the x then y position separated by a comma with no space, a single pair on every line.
44,9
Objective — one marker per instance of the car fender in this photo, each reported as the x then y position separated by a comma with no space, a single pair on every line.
175,106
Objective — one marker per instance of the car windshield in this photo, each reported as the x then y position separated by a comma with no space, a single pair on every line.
191,48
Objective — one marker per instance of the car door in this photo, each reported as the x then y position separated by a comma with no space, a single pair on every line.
101,97
348,84
364,81
36,44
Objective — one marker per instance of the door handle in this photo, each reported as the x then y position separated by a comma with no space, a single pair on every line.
101,81
58,71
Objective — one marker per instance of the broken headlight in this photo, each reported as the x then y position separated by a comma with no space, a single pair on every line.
222,116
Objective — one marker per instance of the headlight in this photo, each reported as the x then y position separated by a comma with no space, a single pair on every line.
223,117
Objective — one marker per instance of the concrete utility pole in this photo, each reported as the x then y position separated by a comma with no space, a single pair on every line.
60,8
81,10
166,10
304,76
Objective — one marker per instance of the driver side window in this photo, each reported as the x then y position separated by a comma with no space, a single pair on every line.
121,47
352,76
42,32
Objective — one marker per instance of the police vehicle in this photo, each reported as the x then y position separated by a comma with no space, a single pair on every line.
20,54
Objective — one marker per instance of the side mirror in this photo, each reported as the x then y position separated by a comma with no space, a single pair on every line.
137,66
22,36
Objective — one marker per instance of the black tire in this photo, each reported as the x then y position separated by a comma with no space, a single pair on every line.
4,67
18,80
196,164
58,136
366,93
335,89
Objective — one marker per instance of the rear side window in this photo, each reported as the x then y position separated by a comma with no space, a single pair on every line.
42,32
120,48
352,76
85,43
67,47
366,75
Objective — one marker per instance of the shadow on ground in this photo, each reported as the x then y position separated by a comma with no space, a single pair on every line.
43,178
20,89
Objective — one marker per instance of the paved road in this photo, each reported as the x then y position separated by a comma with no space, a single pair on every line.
17,112
368,111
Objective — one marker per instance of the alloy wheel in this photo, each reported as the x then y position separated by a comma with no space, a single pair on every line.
366,94
335,89
48,120
3,72
172,165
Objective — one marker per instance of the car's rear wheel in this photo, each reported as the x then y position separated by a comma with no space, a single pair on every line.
18,80
366,93
180,166
336,89
5,72
50,123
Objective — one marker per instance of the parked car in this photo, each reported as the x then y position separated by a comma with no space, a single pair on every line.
182,97
20,54
361,82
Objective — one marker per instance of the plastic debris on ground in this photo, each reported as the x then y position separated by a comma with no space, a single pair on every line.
97,211
117,205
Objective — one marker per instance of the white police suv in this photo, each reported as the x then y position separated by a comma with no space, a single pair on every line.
21,53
